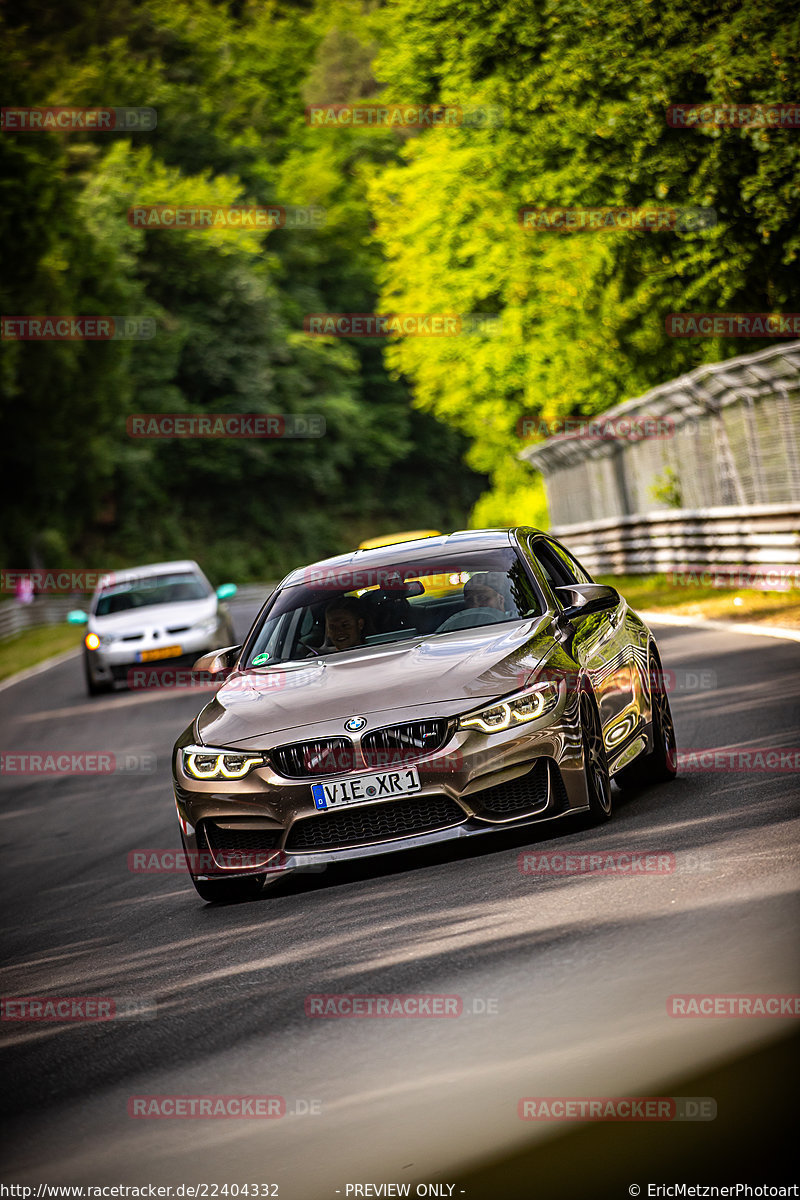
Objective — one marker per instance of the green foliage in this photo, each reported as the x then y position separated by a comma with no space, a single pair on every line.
228,82
585,89
666,489
416,222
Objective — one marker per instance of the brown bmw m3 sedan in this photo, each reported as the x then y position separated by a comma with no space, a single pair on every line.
428,690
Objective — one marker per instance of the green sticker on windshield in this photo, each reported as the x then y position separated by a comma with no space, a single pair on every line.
260,659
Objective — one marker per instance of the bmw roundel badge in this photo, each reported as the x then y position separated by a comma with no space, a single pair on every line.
354,724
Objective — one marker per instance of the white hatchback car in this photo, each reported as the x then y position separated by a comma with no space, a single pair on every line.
163,613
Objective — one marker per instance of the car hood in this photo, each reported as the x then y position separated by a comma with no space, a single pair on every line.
448,673
158,616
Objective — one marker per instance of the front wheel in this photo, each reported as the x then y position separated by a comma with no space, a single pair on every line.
92,687
230,891
595,763
660,764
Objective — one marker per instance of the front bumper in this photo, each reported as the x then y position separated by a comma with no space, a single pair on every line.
120,663
474,784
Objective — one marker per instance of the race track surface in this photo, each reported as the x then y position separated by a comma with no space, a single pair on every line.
563,980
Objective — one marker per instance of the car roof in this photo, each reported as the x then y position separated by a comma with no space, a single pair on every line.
463,541
130,574
390,539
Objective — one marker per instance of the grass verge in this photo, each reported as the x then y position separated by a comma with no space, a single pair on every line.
33,646
660,592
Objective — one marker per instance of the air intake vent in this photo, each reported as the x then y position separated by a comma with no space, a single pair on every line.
526,794
375,823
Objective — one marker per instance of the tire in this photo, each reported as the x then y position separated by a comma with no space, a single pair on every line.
94,689
229,891
659,765
595,763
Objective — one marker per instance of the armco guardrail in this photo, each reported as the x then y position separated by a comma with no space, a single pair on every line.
45,610
754,538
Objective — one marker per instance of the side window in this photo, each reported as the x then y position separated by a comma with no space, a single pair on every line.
577,571
558,567
551,566
525,599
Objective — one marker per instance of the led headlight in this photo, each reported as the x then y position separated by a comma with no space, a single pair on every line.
515,710
203,763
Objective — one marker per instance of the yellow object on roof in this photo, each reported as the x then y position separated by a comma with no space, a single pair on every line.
389,539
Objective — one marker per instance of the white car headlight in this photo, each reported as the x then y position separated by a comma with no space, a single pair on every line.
534,702
203,763
207,625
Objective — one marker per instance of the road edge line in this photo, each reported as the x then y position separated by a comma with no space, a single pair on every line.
29,673
773,631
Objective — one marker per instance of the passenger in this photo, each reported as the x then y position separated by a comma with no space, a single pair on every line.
486,584
483,596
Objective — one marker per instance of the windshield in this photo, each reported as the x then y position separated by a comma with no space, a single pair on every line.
336,610
144,593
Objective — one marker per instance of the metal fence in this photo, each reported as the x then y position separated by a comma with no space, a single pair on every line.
718,482
728,434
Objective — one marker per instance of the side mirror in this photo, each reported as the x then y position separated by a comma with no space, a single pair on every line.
217,662
226,591
77,617
584,599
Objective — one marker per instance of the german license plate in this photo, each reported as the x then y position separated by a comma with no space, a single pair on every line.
162,652
363,788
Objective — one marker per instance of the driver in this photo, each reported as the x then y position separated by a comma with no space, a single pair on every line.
344,624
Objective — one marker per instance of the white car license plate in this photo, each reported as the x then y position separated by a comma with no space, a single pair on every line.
363,788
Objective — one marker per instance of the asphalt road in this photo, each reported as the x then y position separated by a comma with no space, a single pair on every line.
563,980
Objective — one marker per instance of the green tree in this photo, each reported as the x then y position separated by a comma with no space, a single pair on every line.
584,89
